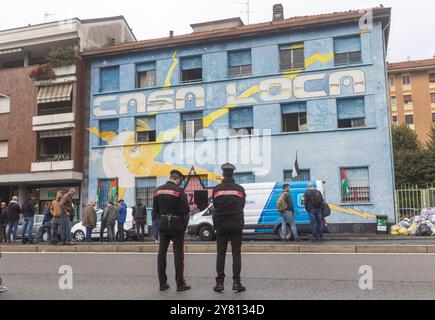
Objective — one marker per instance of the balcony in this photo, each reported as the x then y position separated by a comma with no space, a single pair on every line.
54,122
63,75
52,166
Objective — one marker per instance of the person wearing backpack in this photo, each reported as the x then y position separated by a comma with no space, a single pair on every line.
286,209
314,202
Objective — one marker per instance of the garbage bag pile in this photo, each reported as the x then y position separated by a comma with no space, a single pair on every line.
422,225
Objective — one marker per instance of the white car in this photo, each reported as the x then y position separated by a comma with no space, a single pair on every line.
78,231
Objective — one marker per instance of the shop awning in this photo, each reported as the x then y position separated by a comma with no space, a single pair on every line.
55,134
56,93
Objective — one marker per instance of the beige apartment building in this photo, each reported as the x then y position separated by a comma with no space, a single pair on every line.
412,95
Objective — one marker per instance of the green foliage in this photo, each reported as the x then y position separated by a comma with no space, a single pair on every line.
61,57
414,163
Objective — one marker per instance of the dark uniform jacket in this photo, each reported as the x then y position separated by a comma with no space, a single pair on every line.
229,201
170,200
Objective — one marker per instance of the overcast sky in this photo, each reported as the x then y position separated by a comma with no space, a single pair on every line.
412,33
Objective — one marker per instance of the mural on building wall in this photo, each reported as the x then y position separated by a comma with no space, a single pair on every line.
127,160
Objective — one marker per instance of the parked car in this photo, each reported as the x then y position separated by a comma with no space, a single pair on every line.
36,225
78,231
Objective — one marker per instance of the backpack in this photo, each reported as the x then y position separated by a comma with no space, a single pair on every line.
326,210
281,205
317,199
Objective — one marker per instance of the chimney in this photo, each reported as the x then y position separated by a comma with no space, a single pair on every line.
278,12
171,34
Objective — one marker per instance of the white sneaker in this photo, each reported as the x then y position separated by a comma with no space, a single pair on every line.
3,289
157,241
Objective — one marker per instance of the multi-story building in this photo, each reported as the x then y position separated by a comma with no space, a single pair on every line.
412,95
254,95
43,90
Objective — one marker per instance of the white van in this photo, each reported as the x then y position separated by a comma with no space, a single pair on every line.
261,215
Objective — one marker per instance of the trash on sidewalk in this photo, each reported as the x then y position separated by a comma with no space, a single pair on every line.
422,225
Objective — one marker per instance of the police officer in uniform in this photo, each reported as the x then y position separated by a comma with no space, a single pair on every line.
229,201
171,208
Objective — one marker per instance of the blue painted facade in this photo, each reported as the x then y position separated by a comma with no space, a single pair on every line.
324,149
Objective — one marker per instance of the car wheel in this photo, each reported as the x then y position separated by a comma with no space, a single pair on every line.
206,233
288,236
79,236
44,236
118,236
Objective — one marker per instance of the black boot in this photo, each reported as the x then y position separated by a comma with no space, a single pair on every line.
219,286
237,286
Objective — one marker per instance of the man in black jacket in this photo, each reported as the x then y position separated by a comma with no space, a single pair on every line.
313,200
3,222
29,218
140,216
14,211
229,201
171,208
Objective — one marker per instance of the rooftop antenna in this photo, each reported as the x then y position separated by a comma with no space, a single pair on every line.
248,10
47,16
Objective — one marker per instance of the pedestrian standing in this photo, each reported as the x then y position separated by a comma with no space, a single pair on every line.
46,224
29,218
140,216
57,221
313,200
67,216
121,220
286,209
111,215
3,223
14,211
156,227
229,201
2,286
89,220
170,205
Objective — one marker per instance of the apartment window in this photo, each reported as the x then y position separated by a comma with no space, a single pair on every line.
432,77
393,101
191,69
241,121
392,81
109,129
292,57
4,149
109,79
146,75
294,117
407,99
432,97
351,113
409,119
433,118
355,185
146,129
192,124
406,80
46,109
55,145
5,104
304,175
395,121
239,63
347,50
145,188
244,177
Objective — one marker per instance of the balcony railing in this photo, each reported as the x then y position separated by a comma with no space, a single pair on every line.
54,157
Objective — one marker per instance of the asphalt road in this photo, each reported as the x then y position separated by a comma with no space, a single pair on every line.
267,277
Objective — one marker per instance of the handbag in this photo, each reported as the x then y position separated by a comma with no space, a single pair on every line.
326,210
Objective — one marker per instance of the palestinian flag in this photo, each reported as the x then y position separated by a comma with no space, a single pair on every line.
344,184
296,171
100,192
114,192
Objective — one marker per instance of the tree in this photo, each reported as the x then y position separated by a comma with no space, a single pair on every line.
429,159
409,157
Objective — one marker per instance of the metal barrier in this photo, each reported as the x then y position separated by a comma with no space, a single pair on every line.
410,200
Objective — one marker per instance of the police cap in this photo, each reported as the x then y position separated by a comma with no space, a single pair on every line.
228,167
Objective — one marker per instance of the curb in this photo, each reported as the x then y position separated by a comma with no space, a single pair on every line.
207,249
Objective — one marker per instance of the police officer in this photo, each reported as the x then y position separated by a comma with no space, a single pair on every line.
229,201
171,208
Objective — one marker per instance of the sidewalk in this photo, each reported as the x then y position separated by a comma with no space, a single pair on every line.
333,244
